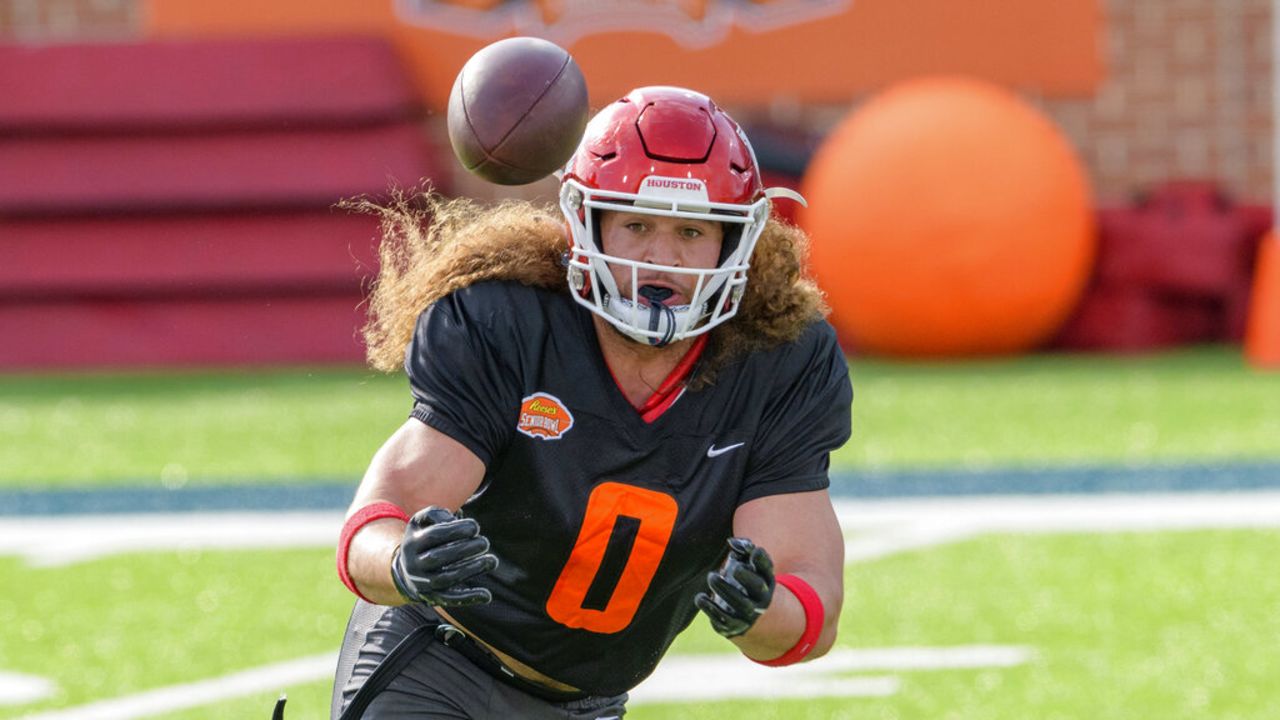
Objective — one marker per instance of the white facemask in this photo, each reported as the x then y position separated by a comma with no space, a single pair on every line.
717,292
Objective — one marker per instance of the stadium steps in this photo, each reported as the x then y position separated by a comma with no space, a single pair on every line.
172,203
301,252
206,84
250,169
1173,268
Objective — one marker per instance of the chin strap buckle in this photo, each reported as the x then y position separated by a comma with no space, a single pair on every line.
658,313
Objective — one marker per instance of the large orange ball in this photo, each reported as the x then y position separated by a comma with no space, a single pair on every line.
948,218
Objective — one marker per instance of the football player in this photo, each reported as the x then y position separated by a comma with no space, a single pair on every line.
621,419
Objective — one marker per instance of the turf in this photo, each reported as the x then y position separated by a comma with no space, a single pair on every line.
299,425
178,428
1169,625
134,622
1196,404
305,702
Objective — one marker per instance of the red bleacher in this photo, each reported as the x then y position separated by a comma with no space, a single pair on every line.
173,203
1174,268
171,85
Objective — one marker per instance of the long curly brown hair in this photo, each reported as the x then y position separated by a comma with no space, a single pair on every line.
433,246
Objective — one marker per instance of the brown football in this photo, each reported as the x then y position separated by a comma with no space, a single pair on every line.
517,110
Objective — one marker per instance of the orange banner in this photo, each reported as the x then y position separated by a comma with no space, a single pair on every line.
737,51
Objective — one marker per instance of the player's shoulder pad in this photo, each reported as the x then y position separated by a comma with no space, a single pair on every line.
814,357
817,342
498,305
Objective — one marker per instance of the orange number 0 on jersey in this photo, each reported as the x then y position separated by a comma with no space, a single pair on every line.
657,515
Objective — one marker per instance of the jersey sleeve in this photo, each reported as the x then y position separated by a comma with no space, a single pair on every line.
463,383
807,417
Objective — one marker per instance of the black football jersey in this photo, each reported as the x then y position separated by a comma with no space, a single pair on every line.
605,526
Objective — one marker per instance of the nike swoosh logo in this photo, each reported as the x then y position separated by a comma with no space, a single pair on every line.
714,451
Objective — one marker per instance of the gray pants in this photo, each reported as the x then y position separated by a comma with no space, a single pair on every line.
440,682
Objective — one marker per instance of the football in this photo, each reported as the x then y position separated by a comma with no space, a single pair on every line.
517,110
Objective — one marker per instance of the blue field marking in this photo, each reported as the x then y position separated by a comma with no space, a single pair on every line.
211,498
1068,479
866,484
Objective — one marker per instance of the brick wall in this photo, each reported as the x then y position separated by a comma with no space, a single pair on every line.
1187,94
1187,90
52,20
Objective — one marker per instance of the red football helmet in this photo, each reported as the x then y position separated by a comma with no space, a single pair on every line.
671,152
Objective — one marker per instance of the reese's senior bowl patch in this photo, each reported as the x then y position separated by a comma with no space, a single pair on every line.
544,416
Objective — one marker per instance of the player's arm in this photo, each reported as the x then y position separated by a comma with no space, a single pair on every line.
793,534
417,467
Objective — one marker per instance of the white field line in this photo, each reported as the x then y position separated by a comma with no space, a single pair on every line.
879,528
66,539
18,689
267,678
874,528
720,677
677,679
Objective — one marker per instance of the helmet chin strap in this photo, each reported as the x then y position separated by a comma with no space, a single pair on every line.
656,317
658,313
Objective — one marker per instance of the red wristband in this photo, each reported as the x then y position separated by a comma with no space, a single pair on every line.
814,615
362,517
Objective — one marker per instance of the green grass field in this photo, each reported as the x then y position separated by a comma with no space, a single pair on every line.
1125,625
1167,624
322,423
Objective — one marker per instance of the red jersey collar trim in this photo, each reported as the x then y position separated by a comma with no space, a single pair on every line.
672,387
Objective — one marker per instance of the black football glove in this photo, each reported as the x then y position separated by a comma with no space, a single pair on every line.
741,589
440,553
